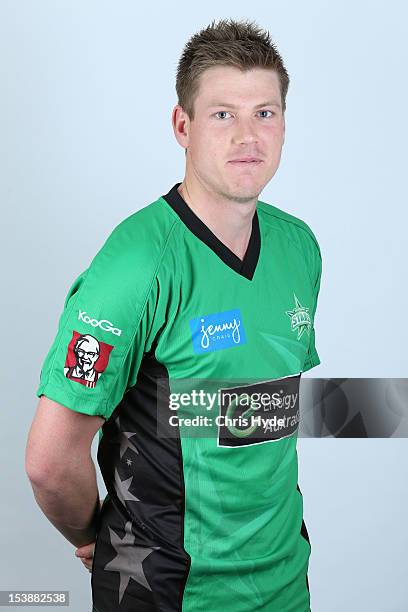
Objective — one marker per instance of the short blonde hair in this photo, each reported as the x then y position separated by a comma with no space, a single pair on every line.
242,44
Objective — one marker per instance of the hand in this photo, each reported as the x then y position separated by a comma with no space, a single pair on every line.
86,553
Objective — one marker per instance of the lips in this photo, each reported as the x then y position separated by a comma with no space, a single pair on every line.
244,163
242,160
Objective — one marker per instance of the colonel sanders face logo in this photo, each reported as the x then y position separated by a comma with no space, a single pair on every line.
86,351
90,359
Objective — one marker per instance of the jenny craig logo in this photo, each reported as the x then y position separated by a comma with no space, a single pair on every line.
217,331
103,324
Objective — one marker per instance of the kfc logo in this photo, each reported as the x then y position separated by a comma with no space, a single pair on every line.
87,358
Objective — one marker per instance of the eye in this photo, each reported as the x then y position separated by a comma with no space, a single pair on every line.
220,112
267,111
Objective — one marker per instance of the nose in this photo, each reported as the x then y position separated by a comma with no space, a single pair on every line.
245,131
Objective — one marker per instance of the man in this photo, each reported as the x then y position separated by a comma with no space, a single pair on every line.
212,294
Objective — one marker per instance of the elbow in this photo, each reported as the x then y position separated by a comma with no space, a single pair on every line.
38,474
48,471
43,466
42,471
34,467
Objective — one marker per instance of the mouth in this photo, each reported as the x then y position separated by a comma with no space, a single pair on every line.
245,162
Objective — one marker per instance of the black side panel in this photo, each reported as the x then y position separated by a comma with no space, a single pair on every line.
139,562
305,534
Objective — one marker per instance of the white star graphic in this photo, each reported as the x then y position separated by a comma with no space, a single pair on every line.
123,438
122,488
129,559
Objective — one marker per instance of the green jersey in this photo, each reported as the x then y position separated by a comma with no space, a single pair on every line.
193,357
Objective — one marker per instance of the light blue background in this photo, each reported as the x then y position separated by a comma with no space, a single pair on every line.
87,90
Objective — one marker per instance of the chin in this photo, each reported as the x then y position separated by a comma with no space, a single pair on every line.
244,195
247,192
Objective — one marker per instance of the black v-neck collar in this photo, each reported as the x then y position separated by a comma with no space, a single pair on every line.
247,266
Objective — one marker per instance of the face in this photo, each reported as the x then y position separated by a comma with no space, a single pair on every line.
235,141
87,355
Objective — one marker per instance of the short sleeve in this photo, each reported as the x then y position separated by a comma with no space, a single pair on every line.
100,341
314,261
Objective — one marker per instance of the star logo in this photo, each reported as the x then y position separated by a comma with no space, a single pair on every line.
129,559
122,488
300,318
123,438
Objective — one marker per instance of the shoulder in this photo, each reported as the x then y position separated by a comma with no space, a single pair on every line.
138,243
144,233
296,230
123,270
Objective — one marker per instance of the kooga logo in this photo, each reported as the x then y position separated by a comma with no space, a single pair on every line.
216,331
103,324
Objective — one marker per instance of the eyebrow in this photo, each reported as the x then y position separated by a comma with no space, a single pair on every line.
228,105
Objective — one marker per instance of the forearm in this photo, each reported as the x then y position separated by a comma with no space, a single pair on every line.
71,502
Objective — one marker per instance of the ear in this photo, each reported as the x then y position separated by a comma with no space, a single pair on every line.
181,125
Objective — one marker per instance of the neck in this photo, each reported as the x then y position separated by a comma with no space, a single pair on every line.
229,220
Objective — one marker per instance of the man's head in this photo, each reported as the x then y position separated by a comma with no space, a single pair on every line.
86,351
231,86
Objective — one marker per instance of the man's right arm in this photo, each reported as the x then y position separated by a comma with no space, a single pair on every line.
100,342
61,470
